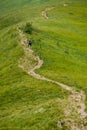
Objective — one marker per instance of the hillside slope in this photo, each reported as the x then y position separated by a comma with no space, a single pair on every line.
61,42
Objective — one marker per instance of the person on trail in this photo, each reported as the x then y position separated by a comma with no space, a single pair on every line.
30,42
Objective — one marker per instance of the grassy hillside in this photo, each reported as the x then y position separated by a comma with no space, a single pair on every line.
28,103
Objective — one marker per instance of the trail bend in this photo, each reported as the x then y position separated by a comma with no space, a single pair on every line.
44,12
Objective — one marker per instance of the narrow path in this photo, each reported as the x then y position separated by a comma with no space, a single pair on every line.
76,99
44,12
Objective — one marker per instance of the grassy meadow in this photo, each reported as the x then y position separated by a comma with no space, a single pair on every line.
61,42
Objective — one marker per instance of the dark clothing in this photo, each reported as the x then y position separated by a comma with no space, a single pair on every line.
29,42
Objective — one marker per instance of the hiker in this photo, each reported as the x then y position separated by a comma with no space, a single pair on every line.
30,42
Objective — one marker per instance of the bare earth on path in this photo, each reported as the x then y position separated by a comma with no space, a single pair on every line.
44,12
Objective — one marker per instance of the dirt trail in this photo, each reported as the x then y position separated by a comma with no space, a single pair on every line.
76,99
44,12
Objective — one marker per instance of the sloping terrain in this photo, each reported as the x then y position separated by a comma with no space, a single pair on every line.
60,41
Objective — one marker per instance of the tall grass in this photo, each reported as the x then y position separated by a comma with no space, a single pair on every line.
28,103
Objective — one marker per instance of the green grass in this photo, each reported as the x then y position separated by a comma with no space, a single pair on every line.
63,45
20,93
28,103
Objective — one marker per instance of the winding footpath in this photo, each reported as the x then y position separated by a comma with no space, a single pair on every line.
44,12
76,99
